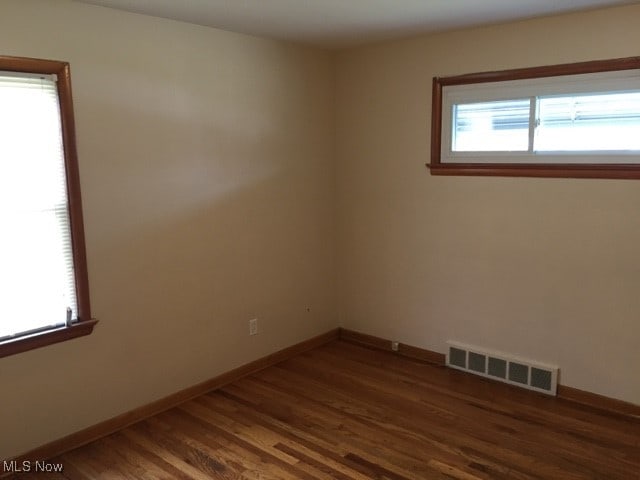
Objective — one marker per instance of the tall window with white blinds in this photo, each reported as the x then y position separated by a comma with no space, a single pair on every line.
37,281
43,280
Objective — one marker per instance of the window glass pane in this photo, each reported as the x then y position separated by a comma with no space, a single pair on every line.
36,265
600,122
499,126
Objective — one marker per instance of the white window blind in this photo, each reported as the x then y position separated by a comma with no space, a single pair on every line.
37,284
598,122
491,126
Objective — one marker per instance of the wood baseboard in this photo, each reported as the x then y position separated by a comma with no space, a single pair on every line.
599,402
383,344
115,424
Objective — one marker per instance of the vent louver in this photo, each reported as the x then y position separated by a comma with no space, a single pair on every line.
477,362
458,357
497,368
503,367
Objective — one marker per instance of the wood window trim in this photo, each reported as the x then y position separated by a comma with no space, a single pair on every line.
612,171
85,323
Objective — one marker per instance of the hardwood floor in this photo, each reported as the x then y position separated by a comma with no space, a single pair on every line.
342,411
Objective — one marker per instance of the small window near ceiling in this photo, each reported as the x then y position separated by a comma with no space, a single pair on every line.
44,296
576,120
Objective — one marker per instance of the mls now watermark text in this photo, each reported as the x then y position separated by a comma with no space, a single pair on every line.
39,466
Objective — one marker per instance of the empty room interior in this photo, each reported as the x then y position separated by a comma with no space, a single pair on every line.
287,284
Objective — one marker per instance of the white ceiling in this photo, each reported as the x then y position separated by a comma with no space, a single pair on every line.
342,23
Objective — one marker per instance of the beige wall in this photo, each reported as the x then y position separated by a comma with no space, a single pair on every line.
206,170
548,269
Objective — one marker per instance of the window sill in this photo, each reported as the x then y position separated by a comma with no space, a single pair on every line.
618,171
38,340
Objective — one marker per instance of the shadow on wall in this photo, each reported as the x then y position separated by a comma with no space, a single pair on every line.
188,242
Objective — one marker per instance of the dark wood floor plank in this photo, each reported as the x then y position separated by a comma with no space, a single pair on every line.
346,412
97,461
69,472
204,457
152,452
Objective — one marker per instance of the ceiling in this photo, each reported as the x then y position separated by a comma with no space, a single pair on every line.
343,23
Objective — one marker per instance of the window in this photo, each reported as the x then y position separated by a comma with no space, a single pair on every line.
44,295
575,120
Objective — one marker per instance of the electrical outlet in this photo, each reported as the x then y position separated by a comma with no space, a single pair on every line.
253,326
395,346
